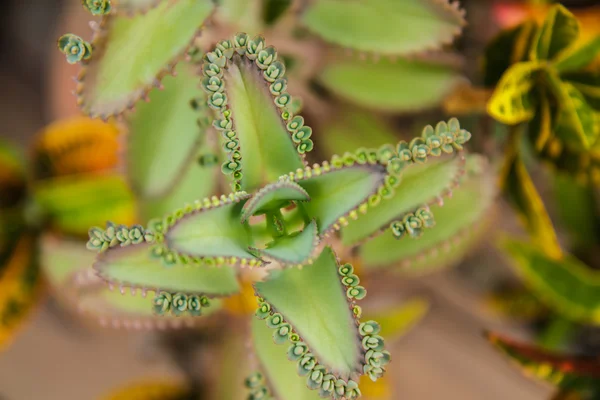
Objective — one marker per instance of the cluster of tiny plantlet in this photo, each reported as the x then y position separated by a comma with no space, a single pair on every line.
413,224
74,48
179,303
257,387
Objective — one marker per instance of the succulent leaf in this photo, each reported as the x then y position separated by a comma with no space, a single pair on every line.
74,48
419,184
165,135
135,267
131,7
212,229
558,32
588,83
570,373
97,7
336,192
565,284
460,223
323,319
385,26
263,138
149,43
400,85
579,57
296,249
273,197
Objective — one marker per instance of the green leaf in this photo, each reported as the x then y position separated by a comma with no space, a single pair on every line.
336,193
526,200
512,101
401,85
272,198
346,132
312,300
385,26
509,47
135,267
281,374
61,258
164,135
559,31
577,122
460,223
266,140
572,373
565,284
579,57
130,7
588,83
420,184
75,203
148,44
215,231
293,250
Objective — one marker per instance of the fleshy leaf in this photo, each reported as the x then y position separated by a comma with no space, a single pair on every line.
420,184
77,202
509,47
460,223
151,390
212,230
580,57
164,135
149,43
280,373
135,267
400,85
385,26
559,31
294,249
523,194
565,284
20,288
588,83
61,258
246,85
273,197
312,300
337,192
512,101
131,7
572,373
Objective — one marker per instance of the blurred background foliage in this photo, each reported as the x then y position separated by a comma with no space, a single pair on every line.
535,126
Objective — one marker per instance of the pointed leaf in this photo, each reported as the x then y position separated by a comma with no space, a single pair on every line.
135,267
293,250
164,135
385,26
509,47
559,31
273,197
147,43
459,222
248,88
400,85
512,101
577,123
213,231
588,83
573,373
281,375
336,193
77,202
420,184
579,57
565,284
524,196
313,301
